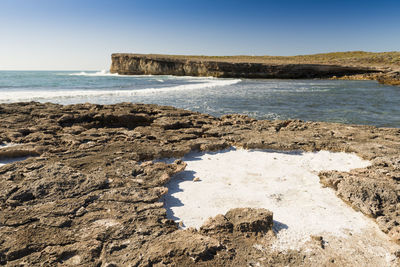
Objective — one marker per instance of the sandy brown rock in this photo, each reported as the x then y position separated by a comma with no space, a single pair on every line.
387,77
250,220
90,192
217,224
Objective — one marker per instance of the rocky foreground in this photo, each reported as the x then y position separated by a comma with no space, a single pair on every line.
89,191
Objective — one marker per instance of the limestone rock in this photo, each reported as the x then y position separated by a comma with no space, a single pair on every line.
250,220
182,243
89,191
217,224
132,64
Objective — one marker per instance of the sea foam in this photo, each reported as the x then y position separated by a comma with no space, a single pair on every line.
98,73
38,95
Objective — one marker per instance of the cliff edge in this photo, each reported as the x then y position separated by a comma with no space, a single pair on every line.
383,67
137,64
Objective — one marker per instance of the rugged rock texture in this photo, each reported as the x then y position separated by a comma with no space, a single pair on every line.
133,64
388,77
90,193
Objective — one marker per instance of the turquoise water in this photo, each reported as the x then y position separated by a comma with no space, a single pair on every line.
358,102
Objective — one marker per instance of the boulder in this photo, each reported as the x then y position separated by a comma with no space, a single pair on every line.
250,220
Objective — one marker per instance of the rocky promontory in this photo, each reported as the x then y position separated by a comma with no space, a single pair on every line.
87,189
137,64
382,67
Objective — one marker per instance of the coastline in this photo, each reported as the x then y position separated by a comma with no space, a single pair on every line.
92,180
386,78
348,65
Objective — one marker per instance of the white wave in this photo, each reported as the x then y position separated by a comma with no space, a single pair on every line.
98,73
32,95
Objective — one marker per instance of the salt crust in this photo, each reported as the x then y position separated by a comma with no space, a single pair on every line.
284,182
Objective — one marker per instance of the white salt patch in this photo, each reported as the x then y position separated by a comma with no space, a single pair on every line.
284,182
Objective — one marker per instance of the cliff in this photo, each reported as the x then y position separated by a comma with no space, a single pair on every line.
229,67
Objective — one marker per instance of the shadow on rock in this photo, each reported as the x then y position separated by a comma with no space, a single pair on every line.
278,226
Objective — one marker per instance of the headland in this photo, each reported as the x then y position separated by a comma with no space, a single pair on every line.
383,67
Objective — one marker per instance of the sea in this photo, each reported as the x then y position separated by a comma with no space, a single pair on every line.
350,102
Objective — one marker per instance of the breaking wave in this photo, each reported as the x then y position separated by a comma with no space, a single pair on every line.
98,73
30,95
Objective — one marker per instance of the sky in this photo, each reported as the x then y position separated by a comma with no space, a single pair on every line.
82,34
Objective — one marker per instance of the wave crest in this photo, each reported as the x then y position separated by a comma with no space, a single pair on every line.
98,73
54,94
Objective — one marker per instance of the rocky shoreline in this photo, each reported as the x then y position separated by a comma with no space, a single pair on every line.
253,67
89,191
387,78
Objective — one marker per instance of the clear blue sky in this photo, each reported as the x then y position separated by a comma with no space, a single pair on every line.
82,34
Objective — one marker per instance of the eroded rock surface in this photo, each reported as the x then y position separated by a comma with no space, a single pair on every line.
389,77
134,64
255,67
89,193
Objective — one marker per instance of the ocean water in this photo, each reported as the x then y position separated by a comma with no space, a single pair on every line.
353,102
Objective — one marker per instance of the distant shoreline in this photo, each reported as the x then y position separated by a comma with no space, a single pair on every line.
383,67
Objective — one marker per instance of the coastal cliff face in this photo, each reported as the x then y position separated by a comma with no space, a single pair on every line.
136,64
